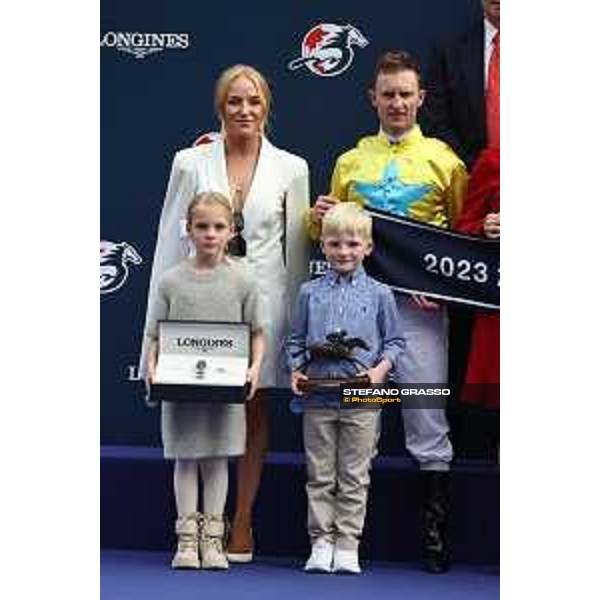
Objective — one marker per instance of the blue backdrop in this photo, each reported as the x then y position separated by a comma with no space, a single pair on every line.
153,106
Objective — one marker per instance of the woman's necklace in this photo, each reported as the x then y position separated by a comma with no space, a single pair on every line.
237,244
241,170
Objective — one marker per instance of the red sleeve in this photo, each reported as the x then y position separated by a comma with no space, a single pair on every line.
483,193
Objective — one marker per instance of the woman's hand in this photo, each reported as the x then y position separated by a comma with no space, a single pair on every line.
491,226
252,378
257,344
298,376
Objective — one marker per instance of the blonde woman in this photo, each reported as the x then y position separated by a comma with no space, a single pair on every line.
269,193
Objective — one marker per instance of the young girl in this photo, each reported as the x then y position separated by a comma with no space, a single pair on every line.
209,287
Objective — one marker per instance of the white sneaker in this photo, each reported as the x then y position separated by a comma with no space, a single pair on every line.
320,557
346,561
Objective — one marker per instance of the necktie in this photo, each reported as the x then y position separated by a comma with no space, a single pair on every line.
492,101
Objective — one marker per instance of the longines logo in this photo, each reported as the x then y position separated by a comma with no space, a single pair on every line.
141,45
317,267
133,373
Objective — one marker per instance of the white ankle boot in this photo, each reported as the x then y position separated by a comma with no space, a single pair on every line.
186,556
212,531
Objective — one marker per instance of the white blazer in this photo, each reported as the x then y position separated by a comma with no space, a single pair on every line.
278,248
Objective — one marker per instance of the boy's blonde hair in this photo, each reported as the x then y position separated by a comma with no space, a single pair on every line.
347,217
209,199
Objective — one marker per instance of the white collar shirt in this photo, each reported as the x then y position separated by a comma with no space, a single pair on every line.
488,45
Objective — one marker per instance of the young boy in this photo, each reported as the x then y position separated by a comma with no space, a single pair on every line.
340,442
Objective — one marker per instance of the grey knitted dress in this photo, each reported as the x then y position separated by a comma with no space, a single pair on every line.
225,293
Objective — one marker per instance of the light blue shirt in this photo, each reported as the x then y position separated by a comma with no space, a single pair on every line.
356,304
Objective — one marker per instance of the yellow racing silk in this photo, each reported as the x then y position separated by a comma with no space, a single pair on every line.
417,177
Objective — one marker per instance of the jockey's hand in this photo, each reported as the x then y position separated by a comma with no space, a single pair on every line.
424,303
322,205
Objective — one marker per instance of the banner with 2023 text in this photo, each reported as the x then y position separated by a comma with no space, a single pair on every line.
413,257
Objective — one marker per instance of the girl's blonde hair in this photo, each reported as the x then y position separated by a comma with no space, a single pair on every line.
209,199
226,79
347,217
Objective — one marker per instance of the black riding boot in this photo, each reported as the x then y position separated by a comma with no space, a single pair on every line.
436,507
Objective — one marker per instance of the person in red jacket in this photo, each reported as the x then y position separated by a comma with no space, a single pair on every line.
481,216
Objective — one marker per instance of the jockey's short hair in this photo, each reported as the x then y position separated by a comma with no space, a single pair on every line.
347,217
394,61
228,76
209,199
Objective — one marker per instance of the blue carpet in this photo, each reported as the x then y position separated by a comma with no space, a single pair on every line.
127,575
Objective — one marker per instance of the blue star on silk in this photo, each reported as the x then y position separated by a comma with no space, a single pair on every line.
390,193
